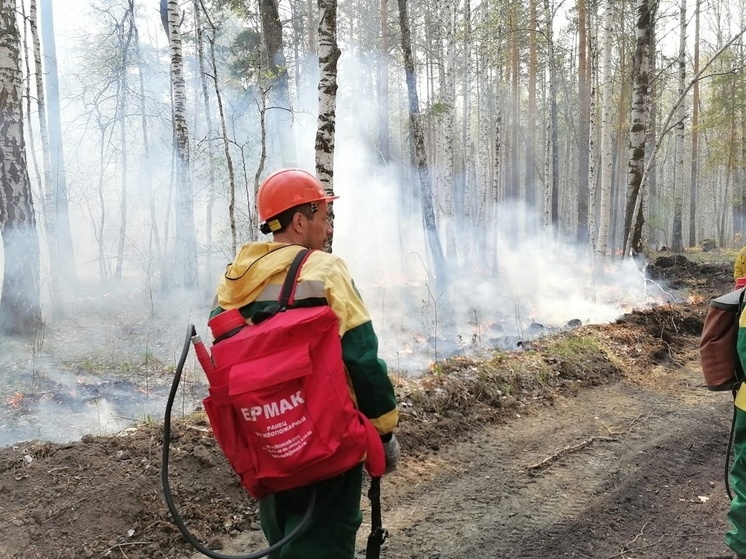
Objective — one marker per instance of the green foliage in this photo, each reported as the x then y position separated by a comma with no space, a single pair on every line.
246,55
437,109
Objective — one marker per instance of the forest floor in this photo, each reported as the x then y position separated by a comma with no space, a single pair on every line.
600,442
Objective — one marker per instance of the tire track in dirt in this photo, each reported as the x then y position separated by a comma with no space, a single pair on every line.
609,495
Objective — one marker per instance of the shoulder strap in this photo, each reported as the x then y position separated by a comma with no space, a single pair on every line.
287,293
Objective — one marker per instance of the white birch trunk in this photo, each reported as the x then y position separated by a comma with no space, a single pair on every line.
592,124
185,249
50,213
20,307
606,132
638,128
329,54
448,136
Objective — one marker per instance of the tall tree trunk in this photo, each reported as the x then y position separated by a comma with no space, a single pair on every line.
448,118
145,175
592,17
127,30
384,142
325,131
50,205
226,142
199,32
553,134
530,178
20,306
583,123
484,141
677,237
694,189
465,219
606,112
282,117
640,82
654,206
56,151
426,195
512,174
185,248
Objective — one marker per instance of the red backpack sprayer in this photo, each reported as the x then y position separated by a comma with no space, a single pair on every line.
280,408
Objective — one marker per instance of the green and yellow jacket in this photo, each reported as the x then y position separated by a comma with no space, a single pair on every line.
739,266
253,282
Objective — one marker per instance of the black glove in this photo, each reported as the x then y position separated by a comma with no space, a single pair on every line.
391,450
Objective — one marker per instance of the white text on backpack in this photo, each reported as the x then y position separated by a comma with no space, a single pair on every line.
273,409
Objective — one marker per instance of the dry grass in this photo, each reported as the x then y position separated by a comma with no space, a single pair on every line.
463,392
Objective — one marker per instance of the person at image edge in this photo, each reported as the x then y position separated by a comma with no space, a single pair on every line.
735,537
739,266
293,207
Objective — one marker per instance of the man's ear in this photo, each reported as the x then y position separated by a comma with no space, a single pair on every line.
297,222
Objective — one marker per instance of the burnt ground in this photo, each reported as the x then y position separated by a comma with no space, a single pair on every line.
596,443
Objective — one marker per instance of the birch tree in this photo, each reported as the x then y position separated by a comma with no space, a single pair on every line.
328,56
185,249
530,174
552,195
125,34
446,121
606,131
384,143
20,306
694,178
50,203
583,123
633,217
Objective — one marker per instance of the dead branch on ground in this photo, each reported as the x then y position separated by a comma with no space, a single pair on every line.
569,450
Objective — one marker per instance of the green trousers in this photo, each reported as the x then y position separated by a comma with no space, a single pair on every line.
333,526
735,538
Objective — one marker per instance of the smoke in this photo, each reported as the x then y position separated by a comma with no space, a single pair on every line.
111,359
538,283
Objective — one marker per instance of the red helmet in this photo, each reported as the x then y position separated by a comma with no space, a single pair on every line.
288,188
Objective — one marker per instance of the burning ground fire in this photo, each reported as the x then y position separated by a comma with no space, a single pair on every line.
15,400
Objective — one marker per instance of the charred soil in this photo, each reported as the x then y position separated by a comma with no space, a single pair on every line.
600,442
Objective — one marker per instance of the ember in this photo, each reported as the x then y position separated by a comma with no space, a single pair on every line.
15,400
696,299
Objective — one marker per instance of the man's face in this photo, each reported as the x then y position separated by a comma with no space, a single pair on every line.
318,228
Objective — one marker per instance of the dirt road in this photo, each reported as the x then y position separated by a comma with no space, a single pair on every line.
628,470
649,485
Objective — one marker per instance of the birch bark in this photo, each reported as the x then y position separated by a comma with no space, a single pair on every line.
640,82
20,307
606,131
329,54
185,249
50,205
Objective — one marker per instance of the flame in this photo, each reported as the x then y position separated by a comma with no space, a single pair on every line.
696,299
15,400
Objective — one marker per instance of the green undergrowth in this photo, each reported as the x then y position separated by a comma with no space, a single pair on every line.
462,392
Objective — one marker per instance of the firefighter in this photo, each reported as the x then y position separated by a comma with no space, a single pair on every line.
293,207
739,267
735,538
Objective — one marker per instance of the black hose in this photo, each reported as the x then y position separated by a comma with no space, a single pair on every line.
727,454
191,331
